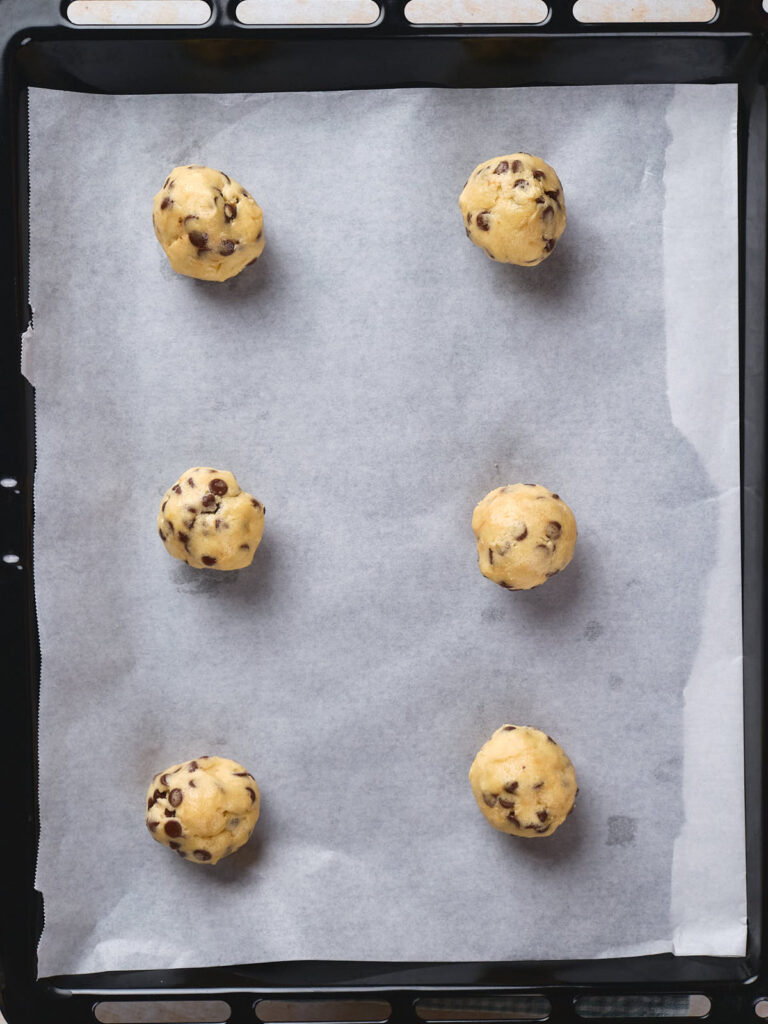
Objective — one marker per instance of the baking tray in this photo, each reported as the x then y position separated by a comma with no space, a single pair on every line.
40,47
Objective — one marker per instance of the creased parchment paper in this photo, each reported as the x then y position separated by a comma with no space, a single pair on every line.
370,379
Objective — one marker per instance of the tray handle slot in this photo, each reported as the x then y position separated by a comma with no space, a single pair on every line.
163,1011
139,12
601,12
307,12
473,12
323,1011
645,1007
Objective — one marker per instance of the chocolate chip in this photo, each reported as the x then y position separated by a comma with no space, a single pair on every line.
490,554
190,216
199,239
251,262
254,502
193,784
530,485
540,199
193,766
189,523
201,855
469,217
511,787
181,853
523,535
176,488
549,244
252,793
215,189
165,185
208,560
227,247
245,547
162,535
553,194
467,232
226,176
509,804
162,507
521,183
541,829
548,213
230,212
190,481
489,799
542,815
261,232
151,803
554,529
152,825
502,167
166,203
517,165
554,572
218,486
243,192
508,728
513,819
576,793
550,739
173,829
208,500
175,797
557,496
483,220
164,779
538,785
243,775
169,814
174,846
539,175
543,547
183,537
157,795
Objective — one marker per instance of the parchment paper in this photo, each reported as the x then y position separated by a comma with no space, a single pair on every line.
370,379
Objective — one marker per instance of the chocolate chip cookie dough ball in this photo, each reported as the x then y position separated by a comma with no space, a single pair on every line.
523,782
208,522
209,226
513,208
524,534
203,809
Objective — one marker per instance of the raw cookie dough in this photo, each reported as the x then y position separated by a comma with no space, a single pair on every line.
523,781
524,534
208,522
208,224
514,208
203,809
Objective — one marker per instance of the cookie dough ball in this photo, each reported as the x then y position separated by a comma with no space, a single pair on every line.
514,208
208,522
524,534
208,224
523,781
203,809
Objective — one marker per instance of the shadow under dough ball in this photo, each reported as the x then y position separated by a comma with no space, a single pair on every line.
514,208
524,534
203,809
209,226
208,522
523,782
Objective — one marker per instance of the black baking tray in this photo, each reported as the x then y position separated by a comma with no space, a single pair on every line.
40,47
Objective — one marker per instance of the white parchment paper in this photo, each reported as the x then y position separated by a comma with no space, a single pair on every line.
370,379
